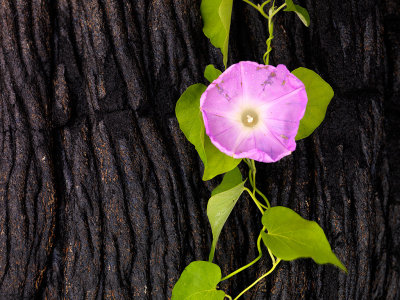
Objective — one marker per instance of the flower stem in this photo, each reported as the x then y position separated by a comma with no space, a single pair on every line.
259,205
250,263
259,279
253,166
263,196
227,296
252,179
248,162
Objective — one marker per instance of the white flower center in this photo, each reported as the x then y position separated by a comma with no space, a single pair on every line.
249,118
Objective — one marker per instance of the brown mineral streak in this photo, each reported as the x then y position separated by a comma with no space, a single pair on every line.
101,195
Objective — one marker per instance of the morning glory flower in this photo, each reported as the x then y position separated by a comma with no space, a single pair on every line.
253,111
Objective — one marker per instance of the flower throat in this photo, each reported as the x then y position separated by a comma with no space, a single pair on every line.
249,118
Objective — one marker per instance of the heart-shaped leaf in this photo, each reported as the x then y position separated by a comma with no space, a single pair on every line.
222,203
211,73
198,282
301,12
189,116
216,16
191,122
290,237
217,162
230,180
319,94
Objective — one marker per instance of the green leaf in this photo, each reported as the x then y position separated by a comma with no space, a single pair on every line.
230,180
217,162
290,237
301,12
198,282
211,73
319,94
216,16
222,203
190,120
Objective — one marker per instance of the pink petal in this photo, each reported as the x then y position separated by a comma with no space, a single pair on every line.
225,93
271,148
267,82
284,115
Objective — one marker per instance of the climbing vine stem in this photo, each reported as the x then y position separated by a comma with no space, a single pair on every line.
271,13
251,263
259,279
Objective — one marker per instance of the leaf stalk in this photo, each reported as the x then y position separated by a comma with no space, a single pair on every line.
259,279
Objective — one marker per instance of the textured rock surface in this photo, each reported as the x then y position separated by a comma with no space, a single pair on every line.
100,194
